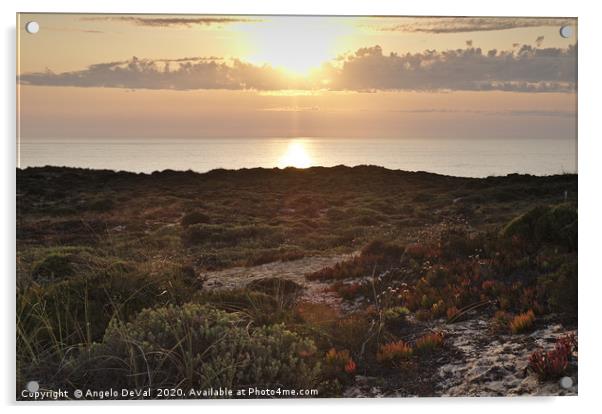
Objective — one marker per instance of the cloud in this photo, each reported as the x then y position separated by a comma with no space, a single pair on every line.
527,69
178,74
517,112
72,29
524,69
173,21
472,24
291,109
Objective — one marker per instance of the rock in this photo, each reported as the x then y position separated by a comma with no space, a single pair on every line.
495,367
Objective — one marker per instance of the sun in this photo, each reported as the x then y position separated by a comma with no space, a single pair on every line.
296,155
296,44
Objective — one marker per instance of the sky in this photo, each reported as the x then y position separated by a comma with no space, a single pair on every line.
162,76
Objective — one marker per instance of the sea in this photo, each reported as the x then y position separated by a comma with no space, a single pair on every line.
470,157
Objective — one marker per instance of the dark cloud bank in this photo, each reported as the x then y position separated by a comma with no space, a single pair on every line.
474,24
526,69
173,21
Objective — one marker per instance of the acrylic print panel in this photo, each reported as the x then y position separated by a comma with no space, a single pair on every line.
295,206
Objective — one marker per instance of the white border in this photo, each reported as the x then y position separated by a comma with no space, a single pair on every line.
590,231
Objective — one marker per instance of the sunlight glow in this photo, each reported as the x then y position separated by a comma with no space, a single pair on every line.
296,156
296,44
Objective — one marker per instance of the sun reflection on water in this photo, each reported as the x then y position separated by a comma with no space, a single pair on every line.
296,155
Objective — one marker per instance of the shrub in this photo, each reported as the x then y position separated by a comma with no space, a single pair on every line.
274,255
424,197
394,352
438,309
352,331
423,315
101,205
524,225
195,217
501,321
318,314
428,343
522,322
78,310
458,243
558,225
555,363
196,346
350,367
348,291
560,289
420,251
260,307
52,267
275,286
395,314
190,276
214,234
388,252
543,224
336,214
338,364
451,312
233,299
375,257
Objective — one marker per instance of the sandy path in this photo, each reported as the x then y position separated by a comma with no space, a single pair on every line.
295,270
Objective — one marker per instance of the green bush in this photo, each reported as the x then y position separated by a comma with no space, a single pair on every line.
377,256
78,310
275,286
100,205
559,289
195,346
203,234
542,224
195,217
524,225
558,225
53,267
263,256
395,314
261,308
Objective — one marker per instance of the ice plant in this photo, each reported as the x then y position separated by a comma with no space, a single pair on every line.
451,312
553,364
350,367
394,351
428,342
522,322
339,364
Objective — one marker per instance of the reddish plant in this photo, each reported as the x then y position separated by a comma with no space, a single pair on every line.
553,364
488,285
348,291
350,367
501,321
522,322
394,351
338,362
428,342
451,312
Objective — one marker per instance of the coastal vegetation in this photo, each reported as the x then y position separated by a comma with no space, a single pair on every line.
113,269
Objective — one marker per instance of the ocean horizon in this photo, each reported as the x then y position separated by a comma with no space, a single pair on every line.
468,157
